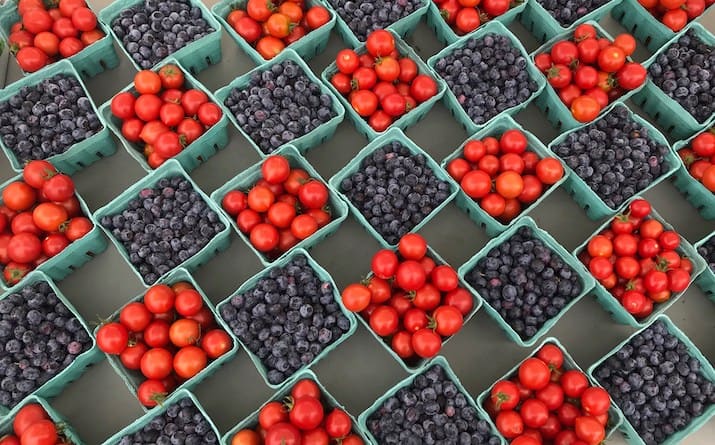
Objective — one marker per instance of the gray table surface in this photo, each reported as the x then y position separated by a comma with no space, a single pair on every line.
360,370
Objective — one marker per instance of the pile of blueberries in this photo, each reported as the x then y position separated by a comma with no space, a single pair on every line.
40,337
615,156
685,71
566,12
287,319
525,281
154,29
278,105
487,75
47,119
395,190
365,16
180,423
656,383
431,410
707,251
164,226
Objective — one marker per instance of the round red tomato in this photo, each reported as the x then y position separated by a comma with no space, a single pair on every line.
408,70
476,184
505,395
380,43
316,17
47,42
313,194
157,334
31,59
189,361
585,108
271,414
402,344
467,20
574,383
135,316
534,413
534,374
410,276
356,297
423,87
509,424
264,237
564,52
26,416
495,8
384,264
131,356
282,433
611,59
112,338
151,392
306,413
384,320
412,247
84,19
159,299
461,299
37,20
559,76
347,61
42,432
631,75
364,102
426,343
444,278
552,396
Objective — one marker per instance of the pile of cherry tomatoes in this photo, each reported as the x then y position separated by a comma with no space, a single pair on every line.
381,85
283,208
169,336
43,36
502,175
636,259
300,418
588,72
33,426
675,14
547,404
163,114
40,216
270,27
699,158
410,301
464,16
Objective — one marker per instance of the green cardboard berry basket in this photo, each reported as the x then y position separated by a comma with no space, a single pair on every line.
585,196
419,363
62,426
75,254
446,35
322,275
169,169
144,420
403,27
694,190
496,128
549,101
392,135
642,24
79,155
585,278
251,422
669,114
544,26
631,436
196,55
302,143
613,306
208,144
307,46
450,100
615,417
134,378
245,180
406,120
74,370
92,60
449,373
706,280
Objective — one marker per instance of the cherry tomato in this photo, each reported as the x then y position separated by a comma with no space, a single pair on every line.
356,297
32,59
384,264
585,108
426,343
564,52
509,424
380,43
505,395
611,59
423,87
410,276
264,237
112,338
271,414
467,20
317,16
401,343
574,383
384,320
189,361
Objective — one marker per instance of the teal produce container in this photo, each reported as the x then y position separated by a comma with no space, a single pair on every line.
302,143
329,402
450,100
496,128
549,102
74,370
402,27
92,60
446,34
436,361
626,428
611,303
76,254
79,155
706,280
63,426
694,190
134,378
208,144
245,180
406,120
585,278
169,169
144,420
307,47
196,55
322,275
666,111
392,135
544,26
585,196
615,417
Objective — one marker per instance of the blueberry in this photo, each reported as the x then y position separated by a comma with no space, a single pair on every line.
707,251
363,16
